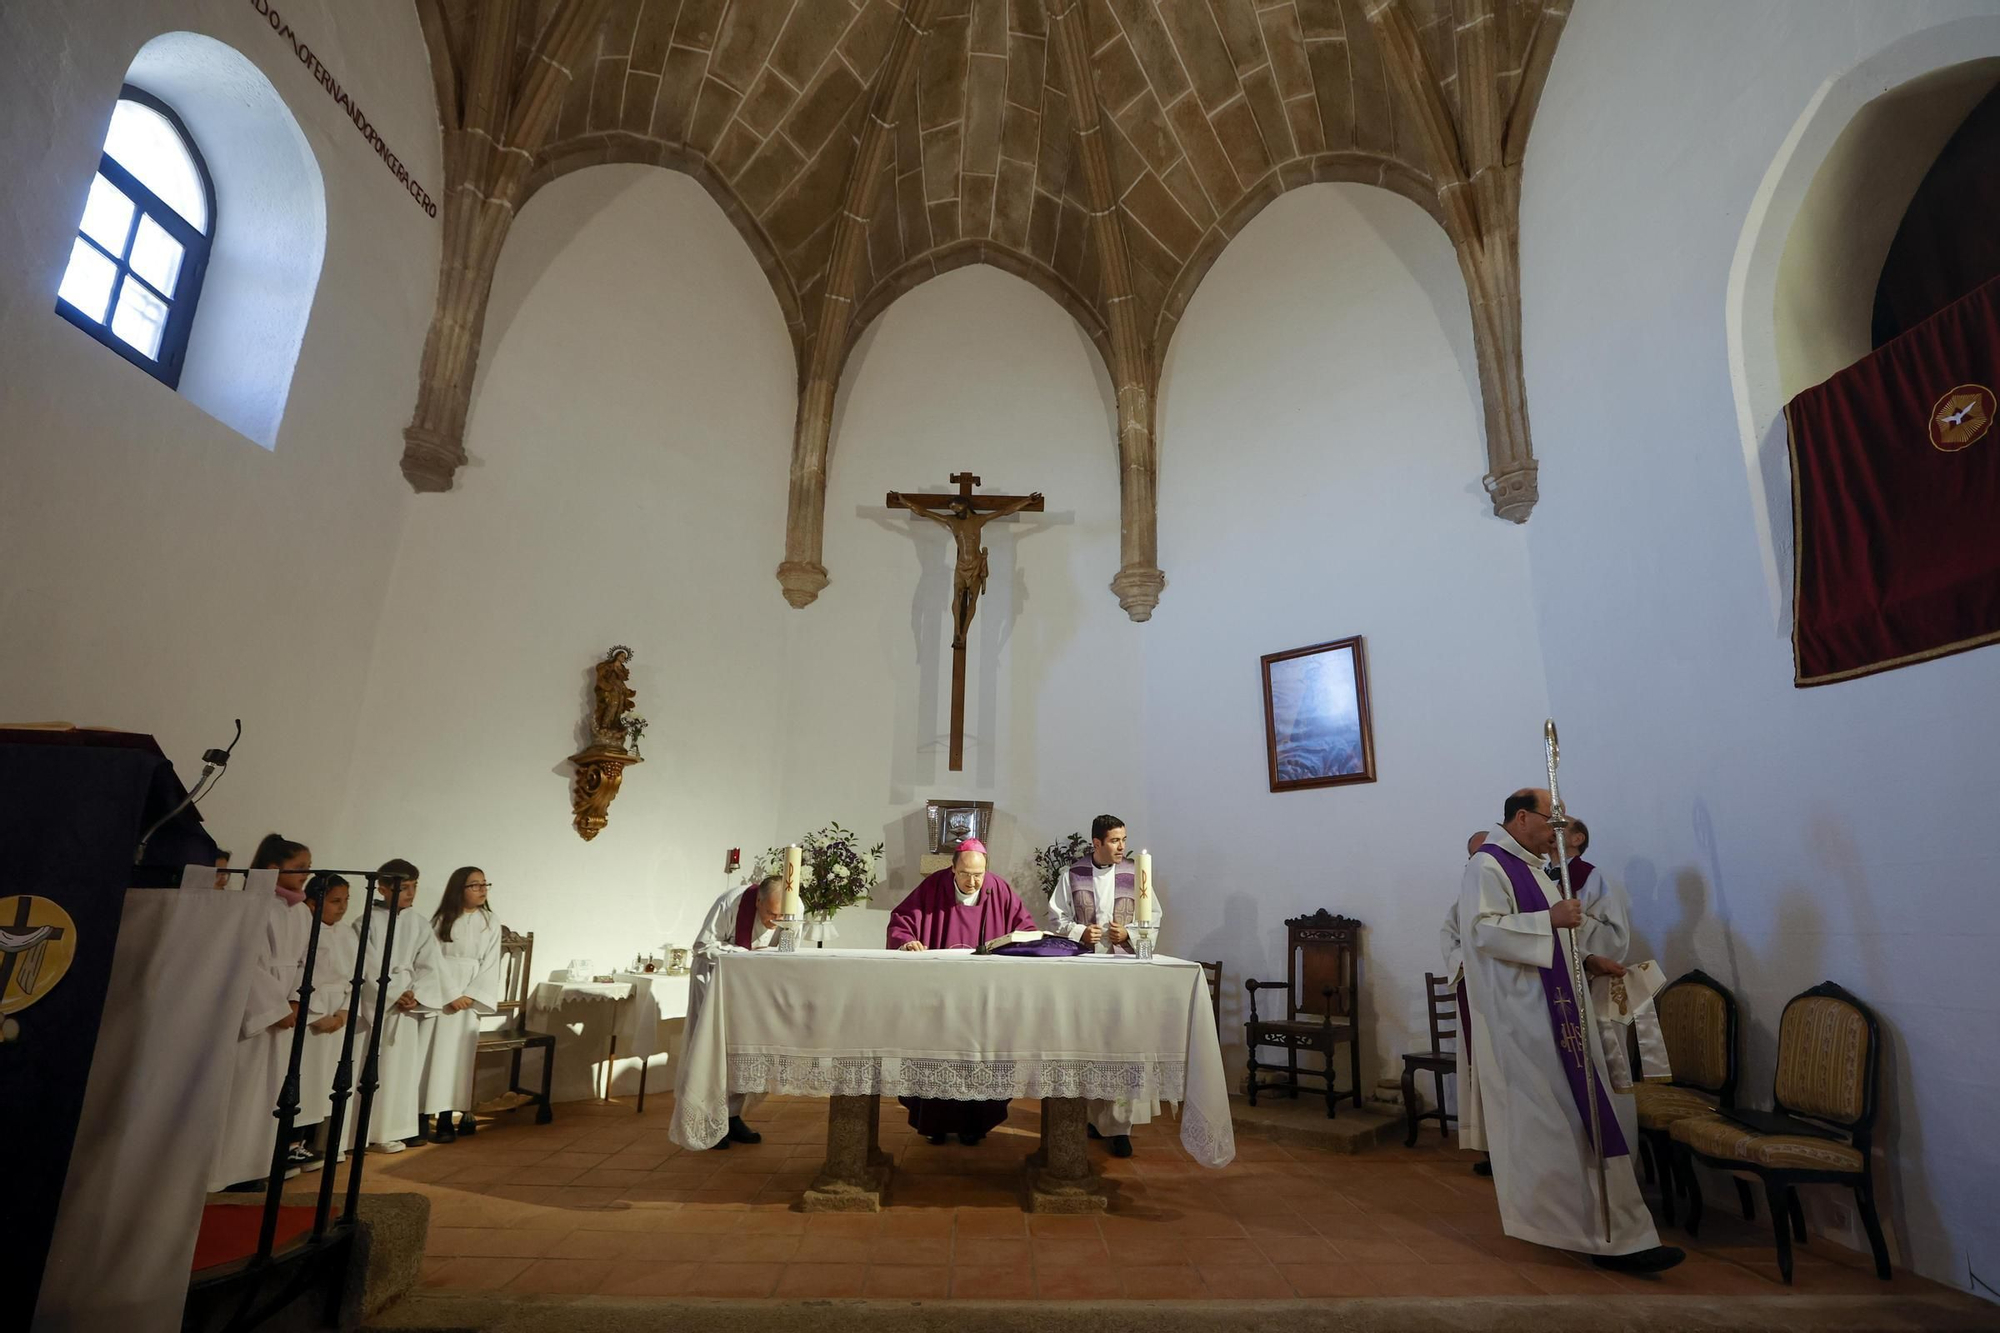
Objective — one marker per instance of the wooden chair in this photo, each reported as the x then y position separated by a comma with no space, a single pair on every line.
1829,1064
1698,1020
1442,999
517,957
1322,1007
1213,971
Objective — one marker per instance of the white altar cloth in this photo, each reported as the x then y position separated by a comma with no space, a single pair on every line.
948,1024
585,1016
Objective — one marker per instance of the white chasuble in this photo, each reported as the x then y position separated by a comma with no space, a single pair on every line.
469,966
718,932
1521,1108
1108,1118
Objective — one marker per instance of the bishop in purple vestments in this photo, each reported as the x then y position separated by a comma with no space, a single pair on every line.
959,908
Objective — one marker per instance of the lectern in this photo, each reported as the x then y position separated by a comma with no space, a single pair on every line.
73,806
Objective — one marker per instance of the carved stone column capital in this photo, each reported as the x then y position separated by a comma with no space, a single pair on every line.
802,581
1139,588
1514,491
429,459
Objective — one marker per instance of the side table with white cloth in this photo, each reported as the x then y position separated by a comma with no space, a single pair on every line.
856,1025
624,1012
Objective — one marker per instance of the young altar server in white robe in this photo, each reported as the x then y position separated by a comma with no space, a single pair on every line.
394,1118
326,1030
1532,1035
264,1038
1093,903
468,942
742,918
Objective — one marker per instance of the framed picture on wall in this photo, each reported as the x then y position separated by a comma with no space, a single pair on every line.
952,822
1317,732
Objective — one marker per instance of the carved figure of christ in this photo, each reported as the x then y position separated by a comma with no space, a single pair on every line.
964,515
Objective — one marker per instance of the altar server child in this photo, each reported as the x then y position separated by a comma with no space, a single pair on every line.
270,1011
394,1120
468,945
332,980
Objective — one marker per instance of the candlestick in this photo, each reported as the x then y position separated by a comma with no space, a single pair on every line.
1145,887
794,904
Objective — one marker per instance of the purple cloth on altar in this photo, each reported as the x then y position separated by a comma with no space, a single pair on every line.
1048,946
933,915
1566,1025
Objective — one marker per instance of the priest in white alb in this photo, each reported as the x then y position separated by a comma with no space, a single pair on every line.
1093,903
1540,1067
745,917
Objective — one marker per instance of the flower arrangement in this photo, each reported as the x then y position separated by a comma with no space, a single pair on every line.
635,725
1056,858
835,870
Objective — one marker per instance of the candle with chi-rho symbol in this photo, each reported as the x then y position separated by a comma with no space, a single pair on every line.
1144,884
794,904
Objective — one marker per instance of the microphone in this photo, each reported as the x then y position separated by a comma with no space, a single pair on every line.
212,762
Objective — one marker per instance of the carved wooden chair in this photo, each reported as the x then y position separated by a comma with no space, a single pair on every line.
517,957
1213,971
1824,1099
1322,1008
1698,1021
1442,1000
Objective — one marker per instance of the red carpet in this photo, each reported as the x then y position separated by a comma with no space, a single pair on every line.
229,1231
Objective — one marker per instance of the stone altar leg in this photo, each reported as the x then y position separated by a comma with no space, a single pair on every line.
1060,1177
856,1173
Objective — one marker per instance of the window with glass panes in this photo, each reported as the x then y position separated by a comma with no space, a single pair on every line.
136,264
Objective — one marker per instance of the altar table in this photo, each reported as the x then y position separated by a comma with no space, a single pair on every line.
856,1025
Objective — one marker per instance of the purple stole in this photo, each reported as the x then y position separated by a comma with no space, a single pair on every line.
1565,1014
1083,896
746,917
1580,872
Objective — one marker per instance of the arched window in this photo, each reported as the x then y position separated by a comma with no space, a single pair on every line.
136,265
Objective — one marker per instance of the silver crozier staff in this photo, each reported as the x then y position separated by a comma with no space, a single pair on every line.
1559,820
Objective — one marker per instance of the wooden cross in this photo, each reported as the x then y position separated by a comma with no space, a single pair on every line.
964,514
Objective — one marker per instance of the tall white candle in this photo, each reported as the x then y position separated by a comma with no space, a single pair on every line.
794,904
1145,887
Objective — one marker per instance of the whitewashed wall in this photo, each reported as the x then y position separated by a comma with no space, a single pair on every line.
1320,463
1774,837
158,571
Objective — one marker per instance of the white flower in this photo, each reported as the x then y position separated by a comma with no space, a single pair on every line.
805,874
840,872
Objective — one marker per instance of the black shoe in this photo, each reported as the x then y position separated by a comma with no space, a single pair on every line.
938,1140
970,1140
1121,1145
1482,1168
245,1187
1656,1260
722,1142
424,1129
446,1133
1091,1130
417,1142
741,1132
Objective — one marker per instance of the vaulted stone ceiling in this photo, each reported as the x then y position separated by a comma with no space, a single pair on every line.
1104,150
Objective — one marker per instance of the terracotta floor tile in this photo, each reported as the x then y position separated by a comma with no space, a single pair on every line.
993,1282
1296,1250
1008,1222
1421,1279
910,1250
920,1223
1163,1282
1258,1281
605,1175
1328,1279
1069,1251
818,1249
1075,1284
738,1280
1568,1279
741,1248
547,1175
647,1279
493,1242
991,1252
484,1274
1057,1225
1358,1251
866,1226
907,1280
566,1277
612,1245
820,1280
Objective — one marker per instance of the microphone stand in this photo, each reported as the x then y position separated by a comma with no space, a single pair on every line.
213,762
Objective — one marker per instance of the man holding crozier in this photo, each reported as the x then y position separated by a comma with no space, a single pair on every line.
1539,1064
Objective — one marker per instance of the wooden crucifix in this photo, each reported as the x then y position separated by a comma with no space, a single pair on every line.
964,515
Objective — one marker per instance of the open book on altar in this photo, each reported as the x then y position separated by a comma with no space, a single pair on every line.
1032,944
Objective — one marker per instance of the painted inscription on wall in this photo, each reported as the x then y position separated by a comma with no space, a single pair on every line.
347,104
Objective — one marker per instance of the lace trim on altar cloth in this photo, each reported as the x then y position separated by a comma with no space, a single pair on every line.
955,1080
1208,1143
